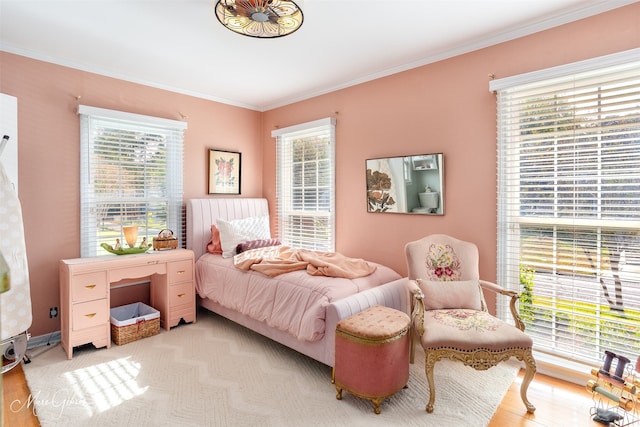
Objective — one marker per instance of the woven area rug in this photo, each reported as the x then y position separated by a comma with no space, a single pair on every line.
216,373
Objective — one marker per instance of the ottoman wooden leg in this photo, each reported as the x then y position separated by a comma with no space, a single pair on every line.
376,404
377,401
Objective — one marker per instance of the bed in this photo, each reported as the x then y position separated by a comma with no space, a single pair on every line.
261,303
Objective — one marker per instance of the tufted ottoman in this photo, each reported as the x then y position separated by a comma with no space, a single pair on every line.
372,354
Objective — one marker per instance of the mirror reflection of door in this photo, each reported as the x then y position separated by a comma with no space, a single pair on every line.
406,184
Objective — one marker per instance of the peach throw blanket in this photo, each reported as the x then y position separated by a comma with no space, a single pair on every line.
275,260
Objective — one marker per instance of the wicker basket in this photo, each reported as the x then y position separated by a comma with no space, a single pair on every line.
134,321
165,240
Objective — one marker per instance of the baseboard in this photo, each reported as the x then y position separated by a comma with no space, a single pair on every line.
564,369
44,340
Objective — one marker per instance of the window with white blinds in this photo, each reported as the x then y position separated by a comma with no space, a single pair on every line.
569,204
130,174
306,185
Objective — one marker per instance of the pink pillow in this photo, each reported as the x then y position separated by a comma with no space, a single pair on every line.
440,295
253,244
214,246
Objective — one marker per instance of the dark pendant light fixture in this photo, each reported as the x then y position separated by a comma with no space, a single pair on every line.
260,18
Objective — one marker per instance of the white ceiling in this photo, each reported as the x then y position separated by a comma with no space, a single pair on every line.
179,45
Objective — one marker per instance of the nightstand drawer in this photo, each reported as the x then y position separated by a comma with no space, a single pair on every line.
188,313
89,314
181,294
180,271
89,287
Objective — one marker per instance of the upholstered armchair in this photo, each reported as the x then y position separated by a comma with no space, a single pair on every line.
450,316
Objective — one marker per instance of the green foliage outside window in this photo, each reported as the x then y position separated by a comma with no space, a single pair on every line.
526,295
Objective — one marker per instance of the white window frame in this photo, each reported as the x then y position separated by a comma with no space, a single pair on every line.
306,206
166,196
512,222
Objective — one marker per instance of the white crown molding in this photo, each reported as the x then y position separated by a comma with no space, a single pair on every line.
84,67
583,10
497,38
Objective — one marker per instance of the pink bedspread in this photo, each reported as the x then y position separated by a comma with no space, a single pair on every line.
294,302
276,260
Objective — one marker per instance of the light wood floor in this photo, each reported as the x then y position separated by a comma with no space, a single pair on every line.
15,392
558,403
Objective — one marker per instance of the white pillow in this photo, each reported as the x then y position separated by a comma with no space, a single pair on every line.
240,230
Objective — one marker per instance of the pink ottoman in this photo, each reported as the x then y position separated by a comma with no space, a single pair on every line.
372,354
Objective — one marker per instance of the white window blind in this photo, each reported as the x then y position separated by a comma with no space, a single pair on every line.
306,185
569,205
131,174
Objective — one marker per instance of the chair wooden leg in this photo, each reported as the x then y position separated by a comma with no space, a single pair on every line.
429,365
412,343
529,373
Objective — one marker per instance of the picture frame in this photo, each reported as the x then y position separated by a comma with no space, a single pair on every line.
406,184
224,171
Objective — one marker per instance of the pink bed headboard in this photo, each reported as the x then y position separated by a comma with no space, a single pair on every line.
201,213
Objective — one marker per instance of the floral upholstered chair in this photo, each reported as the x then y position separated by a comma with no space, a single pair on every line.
450,316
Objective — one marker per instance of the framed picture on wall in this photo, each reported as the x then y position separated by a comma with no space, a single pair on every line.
224,172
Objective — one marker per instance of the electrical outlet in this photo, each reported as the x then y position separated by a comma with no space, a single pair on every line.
53,312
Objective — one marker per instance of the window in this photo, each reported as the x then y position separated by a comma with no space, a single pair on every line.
569,204
131,174
306,185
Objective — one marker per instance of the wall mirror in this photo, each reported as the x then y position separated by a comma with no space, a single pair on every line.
410,184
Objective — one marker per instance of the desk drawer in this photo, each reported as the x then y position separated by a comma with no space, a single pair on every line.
181,294
89,314
180,271
89,286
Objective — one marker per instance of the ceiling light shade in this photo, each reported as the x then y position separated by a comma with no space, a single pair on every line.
260,18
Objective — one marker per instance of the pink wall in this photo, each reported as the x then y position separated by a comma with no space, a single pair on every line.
443,107
48,133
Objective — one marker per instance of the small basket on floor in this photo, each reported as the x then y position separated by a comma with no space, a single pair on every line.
134,321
